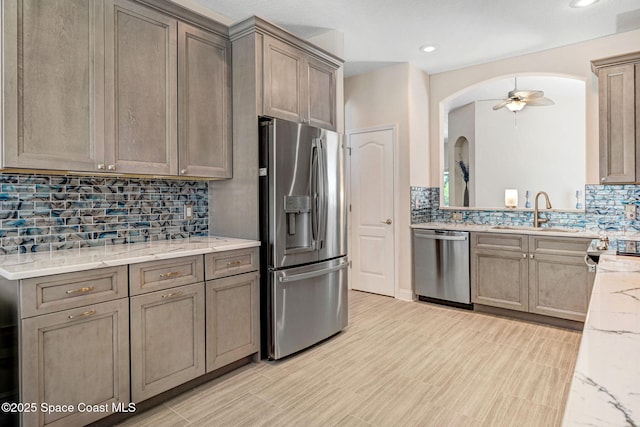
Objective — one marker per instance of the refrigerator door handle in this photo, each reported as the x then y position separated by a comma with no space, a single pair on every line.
322,192
303,276
314,192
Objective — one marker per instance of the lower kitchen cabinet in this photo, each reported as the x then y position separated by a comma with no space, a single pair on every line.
535,274
93,341
76,356
499,270
167,339
500,279
232,319
560,286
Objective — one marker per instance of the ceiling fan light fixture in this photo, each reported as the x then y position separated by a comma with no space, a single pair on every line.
582,3
515,106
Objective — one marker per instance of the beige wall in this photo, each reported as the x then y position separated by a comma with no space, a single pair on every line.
395,95
572,61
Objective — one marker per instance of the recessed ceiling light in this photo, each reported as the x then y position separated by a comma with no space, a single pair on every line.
427,48
582,3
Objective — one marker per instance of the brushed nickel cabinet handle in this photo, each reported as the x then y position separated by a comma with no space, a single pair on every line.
80,291
101,166
111,167
235,263
524,255
172,295
531,256
85,314
183,171
170,274
388,221
603,179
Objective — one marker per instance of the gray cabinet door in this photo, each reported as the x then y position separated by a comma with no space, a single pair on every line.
500,278
141,90
283,95
204,103
321,92
167,339
560,286
75,356
232,319
297,86
617,124
53,84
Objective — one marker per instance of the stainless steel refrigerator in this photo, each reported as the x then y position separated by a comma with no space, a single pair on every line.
303,232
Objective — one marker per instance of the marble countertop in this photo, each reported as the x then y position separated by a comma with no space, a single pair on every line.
542,231
23,266
605,389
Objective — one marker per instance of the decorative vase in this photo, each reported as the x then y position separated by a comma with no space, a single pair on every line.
579,199
465,200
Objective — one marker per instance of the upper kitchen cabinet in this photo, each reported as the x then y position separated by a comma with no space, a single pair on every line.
168,95
297,86
204,103
53,84
141,90
619,98
117,86
295,80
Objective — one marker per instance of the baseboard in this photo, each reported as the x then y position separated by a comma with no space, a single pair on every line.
405,295
530,317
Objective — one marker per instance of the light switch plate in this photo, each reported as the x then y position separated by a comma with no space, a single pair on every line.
630,211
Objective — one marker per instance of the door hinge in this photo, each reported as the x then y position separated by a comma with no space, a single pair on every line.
349,207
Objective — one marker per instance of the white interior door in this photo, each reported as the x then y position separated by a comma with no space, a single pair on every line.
372,221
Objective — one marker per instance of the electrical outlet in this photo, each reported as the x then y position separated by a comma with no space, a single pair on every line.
188,211
457,216
630,211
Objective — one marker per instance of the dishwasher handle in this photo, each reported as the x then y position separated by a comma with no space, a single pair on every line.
440,237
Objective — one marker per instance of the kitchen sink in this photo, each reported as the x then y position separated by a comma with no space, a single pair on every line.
529,228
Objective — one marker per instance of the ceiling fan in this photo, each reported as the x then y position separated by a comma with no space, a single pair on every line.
517,99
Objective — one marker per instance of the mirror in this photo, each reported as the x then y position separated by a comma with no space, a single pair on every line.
539,148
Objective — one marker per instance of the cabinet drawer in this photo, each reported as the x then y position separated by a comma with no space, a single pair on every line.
229,263
505,242
164,274
48,294
559,245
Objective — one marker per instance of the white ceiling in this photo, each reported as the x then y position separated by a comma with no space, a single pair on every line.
466,32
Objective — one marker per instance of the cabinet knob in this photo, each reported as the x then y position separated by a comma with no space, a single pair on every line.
524,255
101,166
531,256
183,171
603,179
111,167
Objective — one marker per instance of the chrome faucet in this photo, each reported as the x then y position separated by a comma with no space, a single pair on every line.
537,221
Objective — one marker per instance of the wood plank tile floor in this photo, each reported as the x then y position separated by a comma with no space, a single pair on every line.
398,363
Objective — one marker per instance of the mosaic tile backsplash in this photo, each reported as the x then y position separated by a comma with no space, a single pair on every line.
42,213
604,210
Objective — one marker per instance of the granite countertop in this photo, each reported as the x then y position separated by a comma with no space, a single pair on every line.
494,228
605,389
23,266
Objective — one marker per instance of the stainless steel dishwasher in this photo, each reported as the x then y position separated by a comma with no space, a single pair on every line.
441,267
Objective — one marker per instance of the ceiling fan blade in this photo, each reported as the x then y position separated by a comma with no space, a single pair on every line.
526,94
539,102
501,104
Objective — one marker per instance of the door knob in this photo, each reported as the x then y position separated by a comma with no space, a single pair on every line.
388,221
